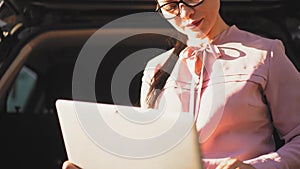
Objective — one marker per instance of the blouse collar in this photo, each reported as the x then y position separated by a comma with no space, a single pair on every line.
205,44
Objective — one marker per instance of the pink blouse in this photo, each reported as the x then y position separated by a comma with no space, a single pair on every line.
250,79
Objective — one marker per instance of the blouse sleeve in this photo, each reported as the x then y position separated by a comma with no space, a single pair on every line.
283,95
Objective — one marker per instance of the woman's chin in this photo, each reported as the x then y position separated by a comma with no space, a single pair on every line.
194,34
191,33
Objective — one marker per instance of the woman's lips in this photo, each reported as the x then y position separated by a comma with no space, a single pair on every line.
194,24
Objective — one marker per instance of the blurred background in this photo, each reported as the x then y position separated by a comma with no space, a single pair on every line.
40,41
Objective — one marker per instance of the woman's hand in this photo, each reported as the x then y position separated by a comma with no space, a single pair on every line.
69,165
233,163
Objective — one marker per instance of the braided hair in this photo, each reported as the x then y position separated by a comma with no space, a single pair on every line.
160,78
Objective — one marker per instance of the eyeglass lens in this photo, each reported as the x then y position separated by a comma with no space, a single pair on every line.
171,9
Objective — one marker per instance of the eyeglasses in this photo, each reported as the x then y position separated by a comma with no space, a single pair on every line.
172,9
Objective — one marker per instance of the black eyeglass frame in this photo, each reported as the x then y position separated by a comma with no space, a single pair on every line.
159,7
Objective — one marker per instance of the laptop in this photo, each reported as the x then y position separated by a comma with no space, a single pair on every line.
123,137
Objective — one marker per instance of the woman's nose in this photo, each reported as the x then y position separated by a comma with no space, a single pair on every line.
185,11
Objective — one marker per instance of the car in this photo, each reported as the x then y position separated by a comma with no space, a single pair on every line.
40,45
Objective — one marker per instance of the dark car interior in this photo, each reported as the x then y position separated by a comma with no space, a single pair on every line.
49,42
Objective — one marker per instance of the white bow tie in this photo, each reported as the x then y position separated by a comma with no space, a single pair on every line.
195,56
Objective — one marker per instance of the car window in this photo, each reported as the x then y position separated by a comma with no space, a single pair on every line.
21,90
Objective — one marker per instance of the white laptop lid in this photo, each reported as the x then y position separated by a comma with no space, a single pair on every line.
112,137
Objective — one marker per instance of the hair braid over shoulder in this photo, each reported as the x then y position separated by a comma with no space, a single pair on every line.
161,76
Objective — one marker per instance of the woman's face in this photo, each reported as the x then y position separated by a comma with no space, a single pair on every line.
196,22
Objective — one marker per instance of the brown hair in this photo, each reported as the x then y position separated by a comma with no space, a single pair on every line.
159,79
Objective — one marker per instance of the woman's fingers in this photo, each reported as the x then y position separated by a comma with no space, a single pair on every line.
226,164
233,163
69,165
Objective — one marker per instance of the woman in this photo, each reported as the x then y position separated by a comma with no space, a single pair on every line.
243,81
